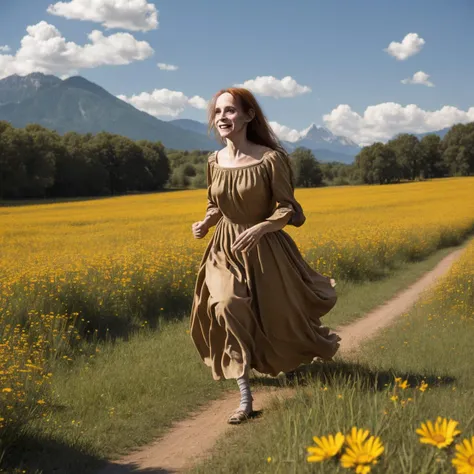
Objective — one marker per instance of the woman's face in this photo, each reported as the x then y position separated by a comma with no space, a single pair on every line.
230,119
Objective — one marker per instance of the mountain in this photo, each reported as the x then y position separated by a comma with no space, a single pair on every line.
440,133
17,88
317,137
190,125
321,154
79,105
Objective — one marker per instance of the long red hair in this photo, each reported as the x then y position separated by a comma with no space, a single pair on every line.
258,130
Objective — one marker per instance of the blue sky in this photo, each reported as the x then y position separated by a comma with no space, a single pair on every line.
335,48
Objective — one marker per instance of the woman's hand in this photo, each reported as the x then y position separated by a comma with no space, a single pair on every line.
200,229
249,238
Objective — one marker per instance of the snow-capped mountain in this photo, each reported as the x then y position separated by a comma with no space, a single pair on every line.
315,137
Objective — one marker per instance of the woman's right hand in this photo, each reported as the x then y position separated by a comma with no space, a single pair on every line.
200,229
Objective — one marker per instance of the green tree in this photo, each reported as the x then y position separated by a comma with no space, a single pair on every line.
407,150
364,162
72,170
13,172
385,167
307,171
157,163
44,147
432,165
458,149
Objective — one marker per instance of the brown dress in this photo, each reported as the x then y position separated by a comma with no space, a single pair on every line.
259,309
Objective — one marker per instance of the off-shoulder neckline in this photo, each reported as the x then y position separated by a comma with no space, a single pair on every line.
240,167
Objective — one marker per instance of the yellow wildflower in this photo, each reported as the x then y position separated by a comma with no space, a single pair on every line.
362,455
463,460
327,447
440,435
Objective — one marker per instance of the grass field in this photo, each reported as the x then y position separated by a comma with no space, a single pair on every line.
133,390
416,371
81,279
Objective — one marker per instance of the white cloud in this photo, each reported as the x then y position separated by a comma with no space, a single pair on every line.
162,102
285,133
198,102
419,77
167,67
409,46
134,15
273,87
43,49
5,49
382,121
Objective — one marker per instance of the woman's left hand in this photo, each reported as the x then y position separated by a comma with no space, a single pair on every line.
248,239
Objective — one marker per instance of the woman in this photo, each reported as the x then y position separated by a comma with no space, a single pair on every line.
257,303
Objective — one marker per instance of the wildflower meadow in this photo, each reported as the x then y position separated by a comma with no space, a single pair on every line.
80,281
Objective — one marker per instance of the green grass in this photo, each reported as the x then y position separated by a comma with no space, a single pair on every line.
132,391
431,343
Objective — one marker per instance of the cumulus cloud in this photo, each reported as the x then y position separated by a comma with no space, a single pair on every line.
198,102
419,77
285,133
4,49
273,87
43,49
409,46
162,102
382,121
167,67
134,15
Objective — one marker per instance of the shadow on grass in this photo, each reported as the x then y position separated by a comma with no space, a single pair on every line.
108,323
337,373
44,455
47,455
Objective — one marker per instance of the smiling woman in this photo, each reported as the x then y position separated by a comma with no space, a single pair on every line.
257,303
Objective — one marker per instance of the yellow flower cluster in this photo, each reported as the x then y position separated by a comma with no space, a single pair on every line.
361,451
441,434
22,374
134,258
453,294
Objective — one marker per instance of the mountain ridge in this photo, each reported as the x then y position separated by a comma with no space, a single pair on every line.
76,104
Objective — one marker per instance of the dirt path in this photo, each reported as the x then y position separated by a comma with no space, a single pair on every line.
190,440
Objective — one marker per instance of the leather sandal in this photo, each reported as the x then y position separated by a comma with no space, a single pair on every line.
238,417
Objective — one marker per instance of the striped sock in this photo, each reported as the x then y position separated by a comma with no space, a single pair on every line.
245,394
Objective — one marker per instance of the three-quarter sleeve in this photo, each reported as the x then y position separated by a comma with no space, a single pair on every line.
212,209
280,174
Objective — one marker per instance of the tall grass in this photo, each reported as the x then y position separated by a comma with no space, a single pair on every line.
73,274
415,371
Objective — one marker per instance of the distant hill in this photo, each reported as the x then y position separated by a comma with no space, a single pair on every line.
440,133
79,105
191,125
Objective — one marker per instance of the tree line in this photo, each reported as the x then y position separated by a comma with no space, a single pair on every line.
36,162
408,158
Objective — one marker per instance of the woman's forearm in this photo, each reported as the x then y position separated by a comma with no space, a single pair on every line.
273,226
212,218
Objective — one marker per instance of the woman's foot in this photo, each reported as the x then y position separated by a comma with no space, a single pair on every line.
239,416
